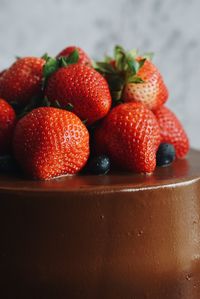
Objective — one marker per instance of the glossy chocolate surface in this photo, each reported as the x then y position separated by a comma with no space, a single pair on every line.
116,236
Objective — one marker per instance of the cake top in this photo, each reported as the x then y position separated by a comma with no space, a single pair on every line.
182,171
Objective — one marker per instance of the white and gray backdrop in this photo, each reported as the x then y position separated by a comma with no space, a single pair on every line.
171,28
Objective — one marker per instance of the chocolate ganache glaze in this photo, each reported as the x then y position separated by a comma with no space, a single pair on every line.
116,236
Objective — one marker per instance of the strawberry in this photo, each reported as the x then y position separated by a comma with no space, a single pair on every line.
7,123
152,92
130,135
83,88
133,78
83,57
172,131
1,73
50,142
22,80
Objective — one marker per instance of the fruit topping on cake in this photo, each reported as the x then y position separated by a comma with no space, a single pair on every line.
22,80
171,131
68,114
134,78
1,73
165,154
84,88
50,142
7,123
83,58
99,164
131,136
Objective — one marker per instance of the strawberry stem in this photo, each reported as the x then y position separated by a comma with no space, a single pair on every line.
121,69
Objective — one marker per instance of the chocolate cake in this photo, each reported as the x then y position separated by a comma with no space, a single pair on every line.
120,235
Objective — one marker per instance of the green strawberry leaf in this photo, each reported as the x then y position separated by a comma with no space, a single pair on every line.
57,104
72,58
69,107
62,61
138,80
132,54
45,102
108,59
105,67
141,62
43,83
94,65
120,57
115,82
51,66
85,121
118,49
34,102
45,56
133,66
135,79
116,95
148,55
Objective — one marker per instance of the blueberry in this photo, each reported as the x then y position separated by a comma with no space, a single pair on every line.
99,164
165,154
7,164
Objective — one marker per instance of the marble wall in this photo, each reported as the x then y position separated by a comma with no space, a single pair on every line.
171,28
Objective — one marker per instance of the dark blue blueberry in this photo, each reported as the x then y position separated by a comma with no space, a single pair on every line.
7,164
99,165
165,154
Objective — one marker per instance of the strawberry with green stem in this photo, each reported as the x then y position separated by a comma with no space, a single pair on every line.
133,78
77,86
83,57
50,65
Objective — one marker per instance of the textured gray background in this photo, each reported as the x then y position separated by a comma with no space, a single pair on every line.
171,28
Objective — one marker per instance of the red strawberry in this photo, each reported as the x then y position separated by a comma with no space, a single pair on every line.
50,142
22,80
1,73
131,136
83,57
172,131
153,92
84,88
133,78
7,123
